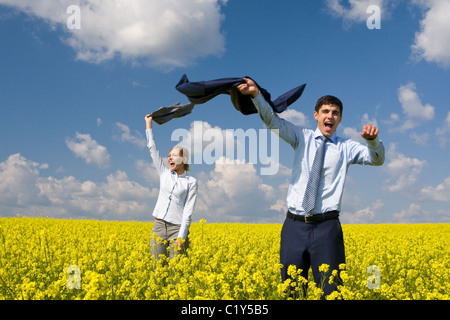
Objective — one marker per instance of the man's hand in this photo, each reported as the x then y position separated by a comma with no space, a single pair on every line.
369,132
249,87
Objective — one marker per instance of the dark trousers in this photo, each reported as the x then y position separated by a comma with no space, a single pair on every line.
306,245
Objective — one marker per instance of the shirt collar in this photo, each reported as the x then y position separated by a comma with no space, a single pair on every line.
175,173
318,133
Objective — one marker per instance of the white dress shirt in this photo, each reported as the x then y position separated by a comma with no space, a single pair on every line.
340,153
177,194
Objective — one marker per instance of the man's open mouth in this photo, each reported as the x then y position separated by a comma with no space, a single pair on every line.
328,125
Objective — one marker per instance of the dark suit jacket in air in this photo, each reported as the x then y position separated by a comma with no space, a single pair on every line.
177,110
203,91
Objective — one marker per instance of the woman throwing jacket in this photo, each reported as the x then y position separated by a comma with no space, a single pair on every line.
176,199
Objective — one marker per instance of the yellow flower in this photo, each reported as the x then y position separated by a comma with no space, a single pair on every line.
222,262
324,268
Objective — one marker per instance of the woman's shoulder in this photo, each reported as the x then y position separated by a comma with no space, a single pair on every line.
191,179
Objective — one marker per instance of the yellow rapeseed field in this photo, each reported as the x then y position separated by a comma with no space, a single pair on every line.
42,258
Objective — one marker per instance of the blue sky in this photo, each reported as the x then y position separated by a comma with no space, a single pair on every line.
73,102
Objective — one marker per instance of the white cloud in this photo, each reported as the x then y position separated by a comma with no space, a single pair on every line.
432,42
356,10
439,193
83,146
168,33
148,171
296,117
413,109
366,215
120,188
444,131
403,170
443,215
17,181
414,214
125,135
394,118
367,120
207,143
23,190
354,134
283,171
211,145
420,139
117,198
233,191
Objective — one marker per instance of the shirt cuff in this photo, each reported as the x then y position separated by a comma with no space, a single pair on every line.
374,143
257,99
262,106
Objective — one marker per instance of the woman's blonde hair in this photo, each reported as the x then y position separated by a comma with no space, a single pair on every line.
185,154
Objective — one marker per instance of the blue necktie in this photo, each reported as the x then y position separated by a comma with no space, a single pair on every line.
309,199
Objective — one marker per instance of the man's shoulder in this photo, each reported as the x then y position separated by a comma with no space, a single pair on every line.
306,131
348,143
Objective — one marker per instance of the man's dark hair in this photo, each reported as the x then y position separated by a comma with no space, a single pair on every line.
329,100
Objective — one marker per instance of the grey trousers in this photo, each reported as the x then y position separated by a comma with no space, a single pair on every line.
168,232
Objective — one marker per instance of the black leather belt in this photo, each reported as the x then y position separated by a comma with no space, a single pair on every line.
314,217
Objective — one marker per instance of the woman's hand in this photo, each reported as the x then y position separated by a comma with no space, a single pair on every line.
148,121
179,244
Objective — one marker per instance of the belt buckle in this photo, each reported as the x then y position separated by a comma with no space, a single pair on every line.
309,219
